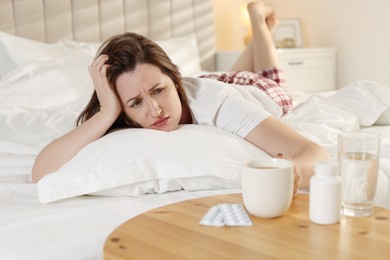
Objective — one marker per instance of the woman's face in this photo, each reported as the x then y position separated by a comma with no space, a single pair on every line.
150,98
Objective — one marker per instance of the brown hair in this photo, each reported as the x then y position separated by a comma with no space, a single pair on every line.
125,52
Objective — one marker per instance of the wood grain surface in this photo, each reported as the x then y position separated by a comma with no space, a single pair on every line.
173,231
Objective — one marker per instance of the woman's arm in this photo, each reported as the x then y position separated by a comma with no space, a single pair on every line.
61,150
279,140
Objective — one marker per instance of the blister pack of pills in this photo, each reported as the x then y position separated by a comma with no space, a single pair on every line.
226,214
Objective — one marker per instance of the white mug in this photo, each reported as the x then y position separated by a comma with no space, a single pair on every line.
267,186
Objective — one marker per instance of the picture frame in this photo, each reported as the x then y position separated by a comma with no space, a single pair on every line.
288,33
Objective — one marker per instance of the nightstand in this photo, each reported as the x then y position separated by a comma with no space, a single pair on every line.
306,69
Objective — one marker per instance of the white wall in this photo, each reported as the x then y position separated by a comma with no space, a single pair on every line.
358,29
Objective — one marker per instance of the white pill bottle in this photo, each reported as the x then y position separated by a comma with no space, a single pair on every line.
325,193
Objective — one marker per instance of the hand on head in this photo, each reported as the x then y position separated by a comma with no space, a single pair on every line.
108,99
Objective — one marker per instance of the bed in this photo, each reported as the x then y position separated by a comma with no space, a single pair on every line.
45,48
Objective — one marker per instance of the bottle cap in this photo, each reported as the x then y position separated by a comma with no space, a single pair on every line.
328,167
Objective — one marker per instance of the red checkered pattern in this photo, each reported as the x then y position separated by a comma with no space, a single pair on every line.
270,80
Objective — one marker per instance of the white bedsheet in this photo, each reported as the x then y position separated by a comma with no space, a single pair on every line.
71,229
76,228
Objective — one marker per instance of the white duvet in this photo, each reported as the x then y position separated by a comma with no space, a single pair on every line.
40,100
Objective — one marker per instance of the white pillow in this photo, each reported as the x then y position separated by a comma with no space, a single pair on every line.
45,86
183,51
18,51
133,162
40,101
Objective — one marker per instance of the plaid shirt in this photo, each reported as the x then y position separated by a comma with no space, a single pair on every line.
270,80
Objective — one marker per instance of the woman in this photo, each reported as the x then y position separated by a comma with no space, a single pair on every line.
136,85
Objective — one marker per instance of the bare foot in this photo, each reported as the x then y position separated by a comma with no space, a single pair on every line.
259,12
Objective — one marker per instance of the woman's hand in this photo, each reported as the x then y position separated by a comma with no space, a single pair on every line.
279,140
304,165
305,160
108,98
297,176
297,182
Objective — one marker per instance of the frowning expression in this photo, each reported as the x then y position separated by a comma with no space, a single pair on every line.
150,98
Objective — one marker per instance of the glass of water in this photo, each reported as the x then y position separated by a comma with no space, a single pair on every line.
358,155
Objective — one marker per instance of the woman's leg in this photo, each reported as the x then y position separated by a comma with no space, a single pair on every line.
260,52
253,66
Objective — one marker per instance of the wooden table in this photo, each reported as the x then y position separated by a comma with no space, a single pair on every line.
173,231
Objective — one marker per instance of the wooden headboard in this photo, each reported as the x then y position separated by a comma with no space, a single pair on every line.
96,20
